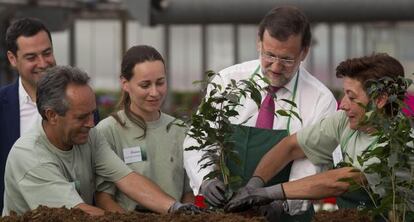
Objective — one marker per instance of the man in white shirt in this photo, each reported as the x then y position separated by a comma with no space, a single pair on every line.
284,39
30,52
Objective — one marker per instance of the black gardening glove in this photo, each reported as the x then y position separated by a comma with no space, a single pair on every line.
213,191
255,182
247,197
272,211
185,208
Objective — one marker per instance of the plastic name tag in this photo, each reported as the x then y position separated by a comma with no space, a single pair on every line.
132,154
337,156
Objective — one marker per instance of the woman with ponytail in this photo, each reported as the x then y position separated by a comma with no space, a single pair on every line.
137,132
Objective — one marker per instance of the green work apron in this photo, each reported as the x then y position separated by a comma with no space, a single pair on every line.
358,199
251,144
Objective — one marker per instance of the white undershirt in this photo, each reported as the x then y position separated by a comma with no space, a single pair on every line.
28,110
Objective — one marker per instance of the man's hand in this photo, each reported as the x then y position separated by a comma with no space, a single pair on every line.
327,184
213,191
186,208
247,197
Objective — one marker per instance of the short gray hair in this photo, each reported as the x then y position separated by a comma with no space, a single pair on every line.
51,88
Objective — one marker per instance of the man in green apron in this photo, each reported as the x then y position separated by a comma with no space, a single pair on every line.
319,143
283,42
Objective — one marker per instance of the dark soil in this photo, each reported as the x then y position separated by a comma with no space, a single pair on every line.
45,214
342,215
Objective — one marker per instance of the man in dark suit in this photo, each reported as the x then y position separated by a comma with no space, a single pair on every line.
30,52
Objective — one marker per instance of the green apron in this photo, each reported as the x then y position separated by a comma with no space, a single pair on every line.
355,199
358,199
251,144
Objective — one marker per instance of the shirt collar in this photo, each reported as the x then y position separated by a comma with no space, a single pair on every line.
23,96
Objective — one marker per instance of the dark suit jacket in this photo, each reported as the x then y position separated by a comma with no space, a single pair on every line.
10,126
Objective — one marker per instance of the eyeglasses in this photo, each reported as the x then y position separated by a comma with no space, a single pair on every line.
272,59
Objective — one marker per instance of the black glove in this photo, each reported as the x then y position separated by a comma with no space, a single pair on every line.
213,191
247,197
186,208
272,211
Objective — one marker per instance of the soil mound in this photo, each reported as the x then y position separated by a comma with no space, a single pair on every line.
46,214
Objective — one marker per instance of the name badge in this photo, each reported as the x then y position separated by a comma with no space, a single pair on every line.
337,156
132,154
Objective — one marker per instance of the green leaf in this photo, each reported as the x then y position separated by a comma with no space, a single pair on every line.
282,112
293,104
234,157
242,123
226,170
213,92
235,182
211,175
296,115
256,97
354,187
231,113
343,164
191,148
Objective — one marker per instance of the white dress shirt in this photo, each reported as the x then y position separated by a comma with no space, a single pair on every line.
313,99
28,110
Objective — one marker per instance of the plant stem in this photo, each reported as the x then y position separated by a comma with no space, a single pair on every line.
366,188
394,210
222,164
